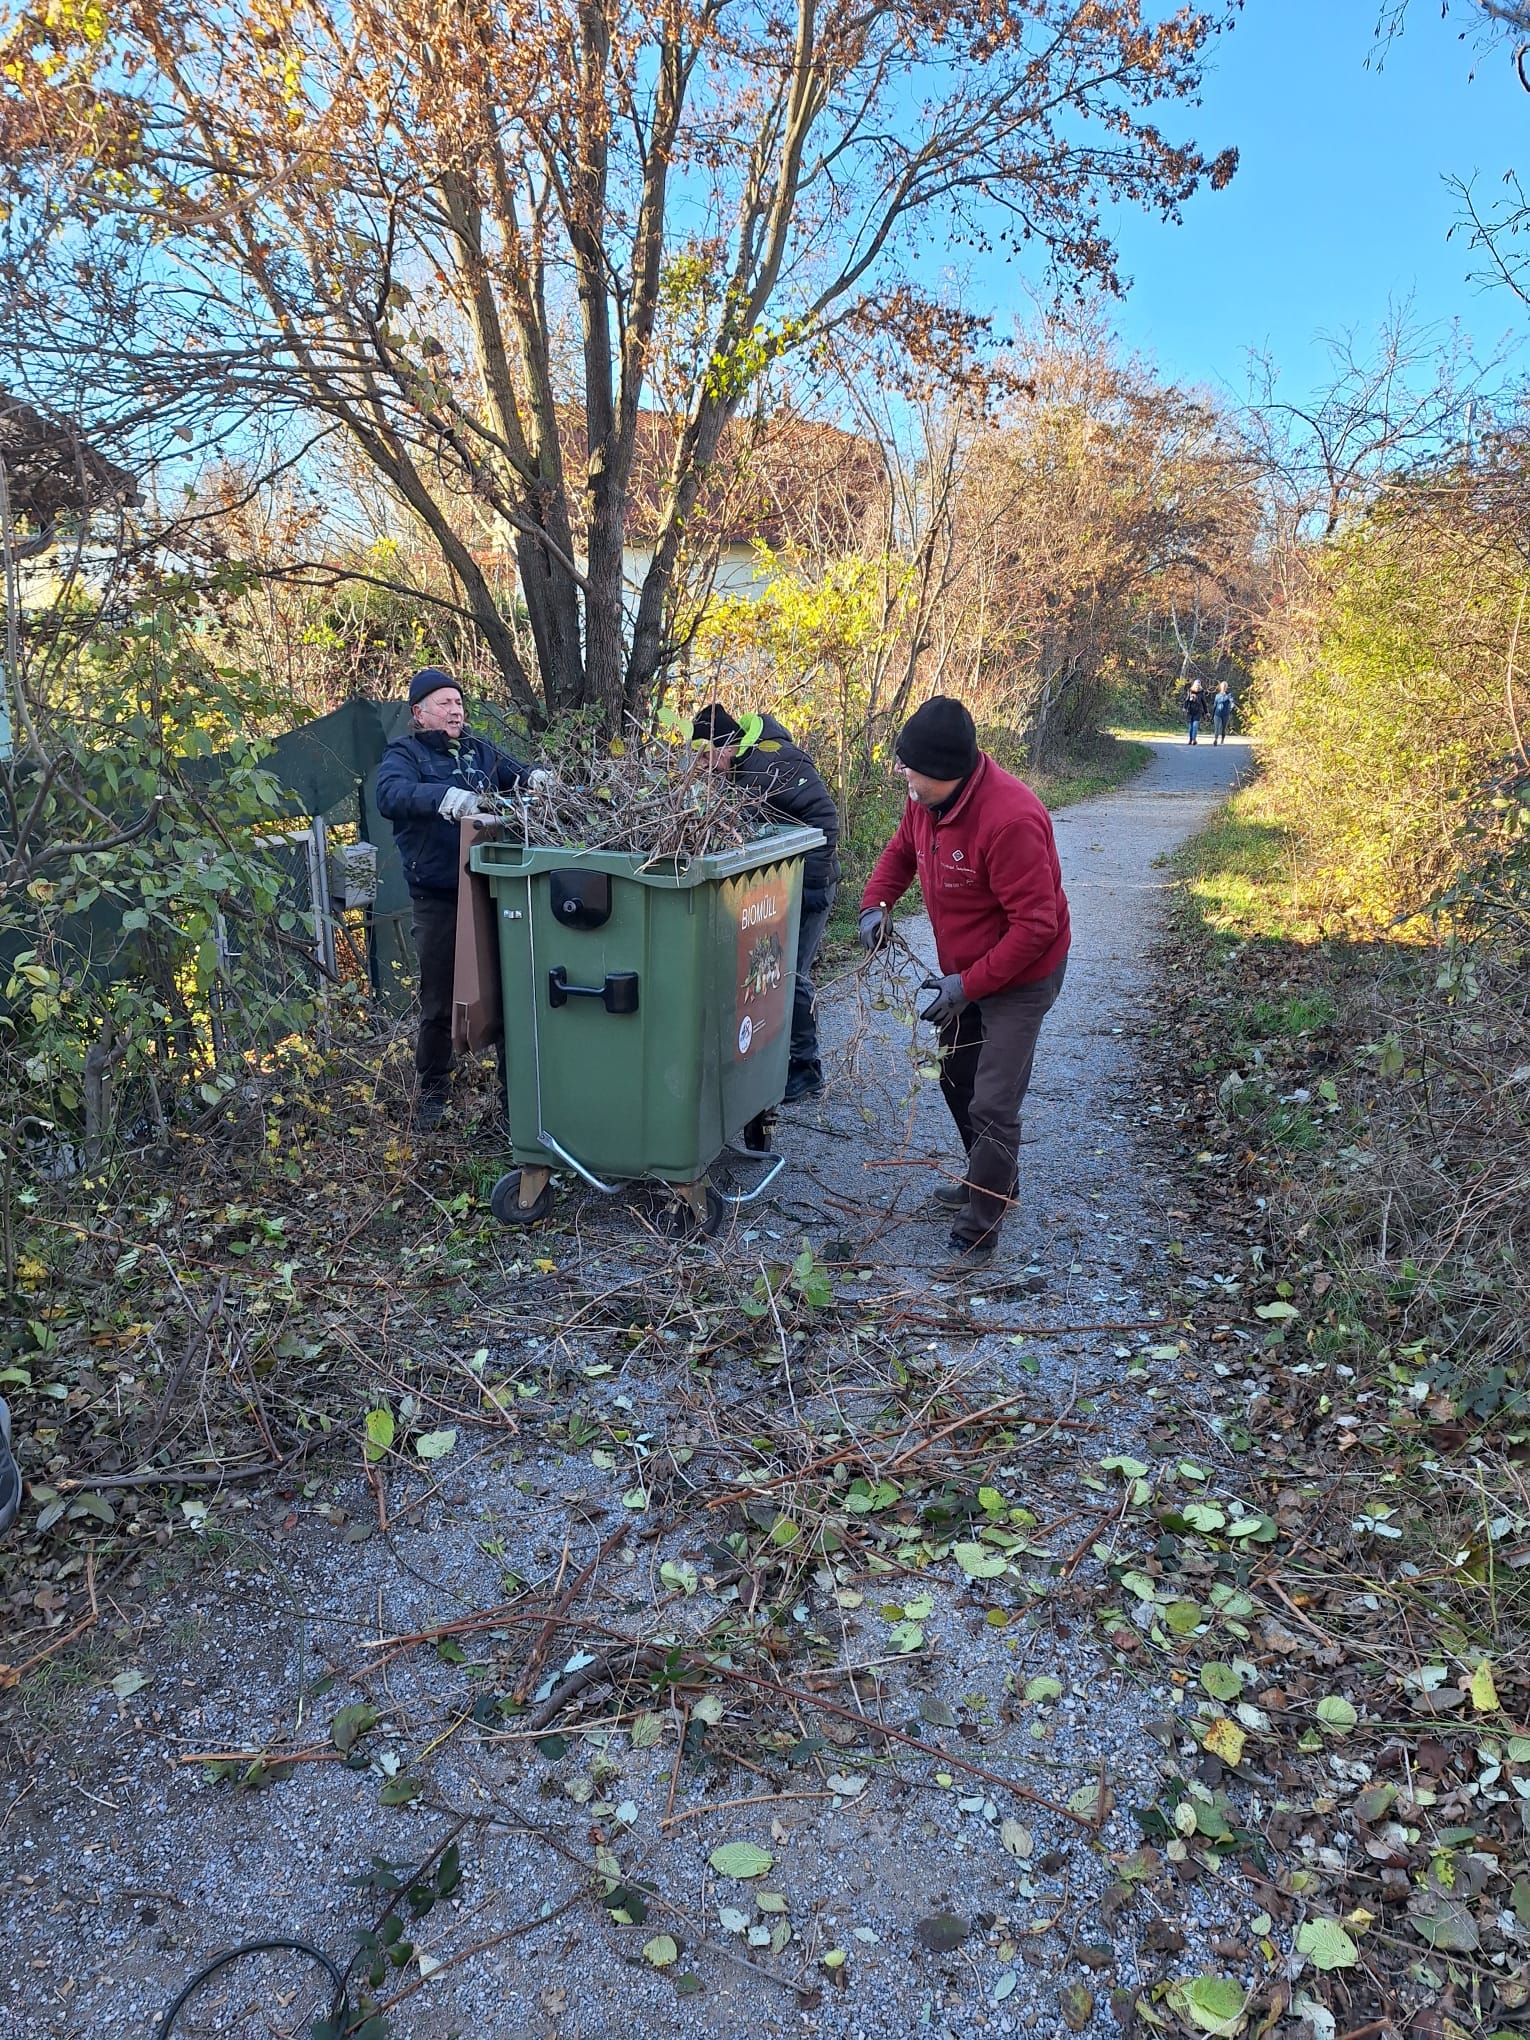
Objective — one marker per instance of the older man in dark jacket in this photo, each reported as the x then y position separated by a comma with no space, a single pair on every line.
427,782
786,777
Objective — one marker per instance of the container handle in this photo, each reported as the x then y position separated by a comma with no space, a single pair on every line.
618,994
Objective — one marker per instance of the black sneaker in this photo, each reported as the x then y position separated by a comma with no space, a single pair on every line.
801,1084
967,1255
430,1110
10,1473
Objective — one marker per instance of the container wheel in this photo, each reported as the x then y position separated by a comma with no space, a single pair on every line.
689,1219
504,1202
756,1135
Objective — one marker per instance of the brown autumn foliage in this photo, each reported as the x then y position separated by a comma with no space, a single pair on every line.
438,233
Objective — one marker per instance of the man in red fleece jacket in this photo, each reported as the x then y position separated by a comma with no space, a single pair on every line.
981,845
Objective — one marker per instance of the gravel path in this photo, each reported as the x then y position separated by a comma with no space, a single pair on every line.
124,1868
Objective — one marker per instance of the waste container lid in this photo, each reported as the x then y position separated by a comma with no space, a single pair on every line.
776,845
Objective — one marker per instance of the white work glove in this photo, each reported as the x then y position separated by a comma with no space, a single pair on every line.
541,781
458,801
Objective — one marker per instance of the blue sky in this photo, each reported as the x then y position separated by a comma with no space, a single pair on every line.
1340,202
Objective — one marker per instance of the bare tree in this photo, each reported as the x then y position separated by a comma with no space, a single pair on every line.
473,240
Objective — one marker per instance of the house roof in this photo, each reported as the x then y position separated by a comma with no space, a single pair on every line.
51,470
786,482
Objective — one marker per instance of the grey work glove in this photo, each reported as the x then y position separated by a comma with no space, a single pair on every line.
949,998
876,923
541,781
458,801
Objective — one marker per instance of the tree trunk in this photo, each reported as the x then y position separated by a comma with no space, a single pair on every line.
100,1058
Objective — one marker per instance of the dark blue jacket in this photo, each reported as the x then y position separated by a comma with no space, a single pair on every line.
416,770
784,773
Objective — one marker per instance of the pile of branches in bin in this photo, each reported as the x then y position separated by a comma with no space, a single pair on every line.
659,800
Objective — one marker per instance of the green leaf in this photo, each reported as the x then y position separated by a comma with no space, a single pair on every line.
1450,1926
661,1951
1212,2004
742,1860
1205,1516
1275,1312
399,1791
1128,1468
977,1561
646,1731
1221,1681
435,1444
1484,1689
1326,1945
1336,1714
380,1433
351,1723
1042,1689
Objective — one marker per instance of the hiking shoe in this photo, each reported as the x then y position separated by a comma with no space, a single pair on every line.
430,1110
967,1256
802,1084
10,1473
950,1196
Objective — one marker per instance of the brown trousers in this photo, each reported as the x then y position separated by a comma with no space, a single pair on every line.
985,1071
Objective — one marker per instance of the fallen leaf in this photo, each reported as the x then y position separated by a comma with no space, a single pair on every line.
1076,2003
978,1562
942,1932
1091,1803
1225,1739
661,1951
1484,1691
1212,2004
435,1444
1326,1945
1448,1925
742,1860
352,1722
1336,1714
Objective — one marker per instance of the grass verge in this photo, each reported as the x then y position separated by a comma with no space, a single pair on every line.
1343,1568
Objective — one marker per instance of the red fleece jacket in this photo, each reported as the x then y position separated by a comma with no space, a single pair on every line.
991,882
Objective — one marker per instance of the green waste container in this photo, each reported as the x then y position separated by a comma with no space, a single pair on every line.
647,1008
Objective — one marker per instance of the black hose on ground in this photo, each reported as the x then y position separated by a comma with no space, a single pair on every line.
231,1955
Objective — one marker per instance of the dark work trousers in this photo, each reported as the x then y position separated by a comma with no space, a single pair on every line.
985,1071
435,949
804,1048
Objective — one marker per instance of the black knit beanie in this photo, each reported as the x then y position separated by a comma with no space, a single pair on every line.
714,725
939,740
429,680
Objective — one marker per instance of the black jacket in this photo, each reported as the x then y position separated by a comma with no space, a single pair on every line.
416,770
1195,706
784,773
